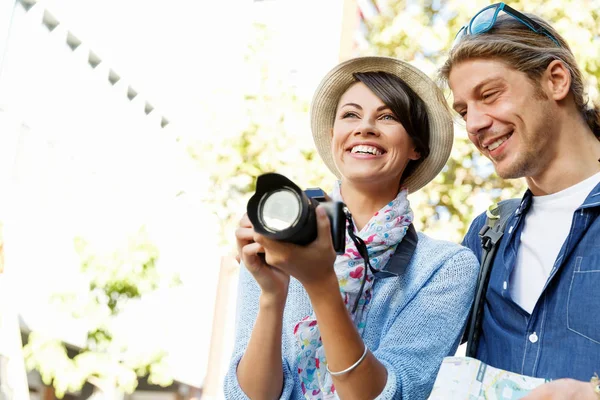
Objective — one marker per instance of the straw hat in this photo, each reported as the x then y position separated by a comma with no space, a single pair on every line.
337,81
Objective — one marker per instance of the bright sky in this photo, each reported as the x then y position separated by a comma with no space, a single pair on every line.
90,163
185,54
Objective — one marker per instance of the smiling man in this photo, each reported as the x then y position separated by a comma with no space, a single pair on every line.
517,86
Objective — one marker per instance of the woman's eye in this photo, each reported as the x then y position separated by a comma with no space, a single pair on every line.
389,117
349,114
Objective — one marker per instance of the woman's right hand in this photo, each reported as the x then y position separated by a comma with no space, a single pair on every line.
272,281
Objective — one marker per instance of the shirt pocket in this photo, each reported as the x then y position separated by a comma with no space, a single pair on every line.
583,301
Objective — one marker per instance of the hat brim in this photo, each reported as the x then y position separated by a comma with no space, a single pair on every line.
337,81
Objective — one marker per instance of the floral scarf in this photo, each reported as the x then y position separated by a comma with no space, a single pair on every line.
382,234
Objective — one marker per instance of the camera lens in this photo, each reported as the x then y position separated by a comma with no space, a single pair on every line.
279,210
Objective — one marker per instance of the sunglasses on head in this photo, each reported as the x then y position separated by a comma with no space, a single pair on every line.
485,19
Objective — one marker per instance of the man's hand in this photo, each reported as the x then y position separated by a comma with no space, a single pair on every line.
563,389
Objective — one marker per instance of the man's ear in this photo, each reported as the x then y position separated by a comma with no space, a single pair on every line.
558,79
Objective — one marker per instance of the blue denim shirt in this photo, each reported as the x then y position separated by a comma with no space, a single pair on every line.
561,338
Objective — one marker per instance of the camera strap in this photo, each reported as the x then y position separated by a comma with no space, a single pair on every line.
404,252
402,256
362,250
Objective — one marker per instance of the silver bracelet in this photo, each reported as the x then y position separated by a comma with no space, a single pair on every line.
350,368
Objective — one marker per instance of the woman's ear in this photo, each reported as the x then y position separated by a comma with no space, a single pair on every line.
414,154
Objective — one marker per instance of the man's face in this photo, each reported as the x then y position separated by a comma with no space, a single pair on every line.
508,118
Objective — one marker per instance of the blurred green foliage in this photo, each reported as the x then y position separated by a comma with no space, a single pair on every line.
275,138
421,32
114,279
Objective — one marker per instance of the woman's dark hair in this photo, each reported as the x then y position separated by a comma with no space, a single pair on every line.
406,105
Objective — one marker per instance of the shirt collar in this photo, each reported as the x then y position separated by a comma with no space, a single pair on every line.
592,200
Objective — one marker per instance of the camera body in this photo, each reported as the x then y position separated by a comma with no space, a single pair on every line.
336,214
280,210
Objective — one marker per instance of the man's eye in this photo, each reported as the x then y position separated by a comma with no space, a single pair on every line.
487,95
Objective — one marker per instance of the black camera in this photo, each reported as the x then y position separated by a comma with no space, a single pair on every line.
281,210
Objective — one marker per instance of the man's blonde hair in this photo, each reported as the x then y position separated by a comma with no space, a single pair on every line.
526,51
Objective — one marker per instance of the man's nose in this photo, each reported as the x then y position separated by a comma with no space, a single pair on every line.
477,121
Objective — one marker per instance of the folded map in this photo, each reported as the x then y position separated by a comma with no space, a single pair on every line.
465,378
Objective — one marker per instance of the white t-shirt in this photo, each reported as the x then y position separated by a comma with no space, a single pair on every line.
547,225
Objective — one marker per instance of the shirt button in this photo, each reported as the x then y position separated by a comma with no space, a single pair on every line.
505,285
533,337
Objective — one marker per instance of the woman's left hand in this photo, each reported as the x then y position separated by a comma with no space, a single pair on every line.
311,264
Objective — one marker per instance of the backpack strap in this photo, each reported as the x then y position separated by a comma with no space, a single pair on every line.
490,235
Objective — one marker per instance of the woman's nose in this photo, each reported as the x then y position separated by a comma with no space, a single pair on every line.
367,127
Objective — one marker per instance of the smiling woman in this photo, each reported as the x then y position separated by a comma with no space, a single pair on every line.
382,127
396,136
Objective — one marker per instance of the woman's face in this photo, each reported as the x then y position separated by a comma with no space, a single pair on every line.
369,144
